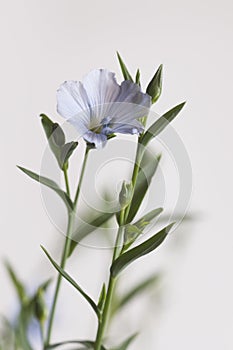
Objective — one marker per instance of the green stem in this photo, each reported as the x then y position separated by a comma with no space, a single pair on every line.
59,278
66,249
66,182
112,281
81,177
42,332
103,320
136,169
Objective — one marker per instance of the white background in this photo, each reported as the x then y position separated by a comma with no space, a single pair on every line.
44,43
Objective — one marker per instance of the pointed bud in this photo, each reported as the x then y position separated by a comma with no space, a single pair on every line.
154,88
40,307
126,194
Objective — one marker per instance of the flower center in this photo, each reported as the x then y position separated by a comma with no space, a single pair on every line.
103,127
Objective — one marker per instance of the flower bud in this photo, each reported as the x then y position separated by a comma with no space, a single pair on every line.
126,194
40,308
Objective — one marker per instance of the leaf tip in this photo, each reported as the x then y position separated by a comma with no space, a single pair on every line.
182,104
169,227
43,248
20,168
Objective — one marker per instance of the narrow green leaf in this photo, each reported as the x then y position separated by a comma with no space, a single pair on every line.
144,178
137,77
126,343
146,219
72,282
154,88
124,70
133,231
102,298
19,287
53,133
47,124
56,140
86,228
144,248
51,184
44,286
87,343
66,151
161,124
58,135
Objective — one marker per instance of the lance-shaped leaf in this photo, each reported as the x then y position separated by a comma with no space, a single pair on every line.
86,228
154,88
54,134
133,231
56,140
161,124
147,218
102,298
87,344
126,343
19,286
44,286
149,166
72,282
137,77
135,253
124,69
66,151
51,184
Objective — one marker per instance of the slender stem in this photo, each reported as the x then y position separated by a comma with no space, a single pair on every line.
112,281
66,182
42,332
103,320
59,278
71,219
136,169
81,177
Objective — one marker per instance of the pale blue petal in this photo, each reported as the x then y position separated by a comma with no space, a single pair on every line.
130,104
101,88
71,99
131,93
134,127
124,113
100,103
99,140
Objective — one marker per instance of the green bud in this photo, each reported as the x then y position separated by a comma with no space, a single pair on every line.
126,194
40,308
154,88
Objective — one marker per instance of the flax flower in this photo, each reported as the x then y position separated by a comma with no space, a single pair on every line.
99,107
